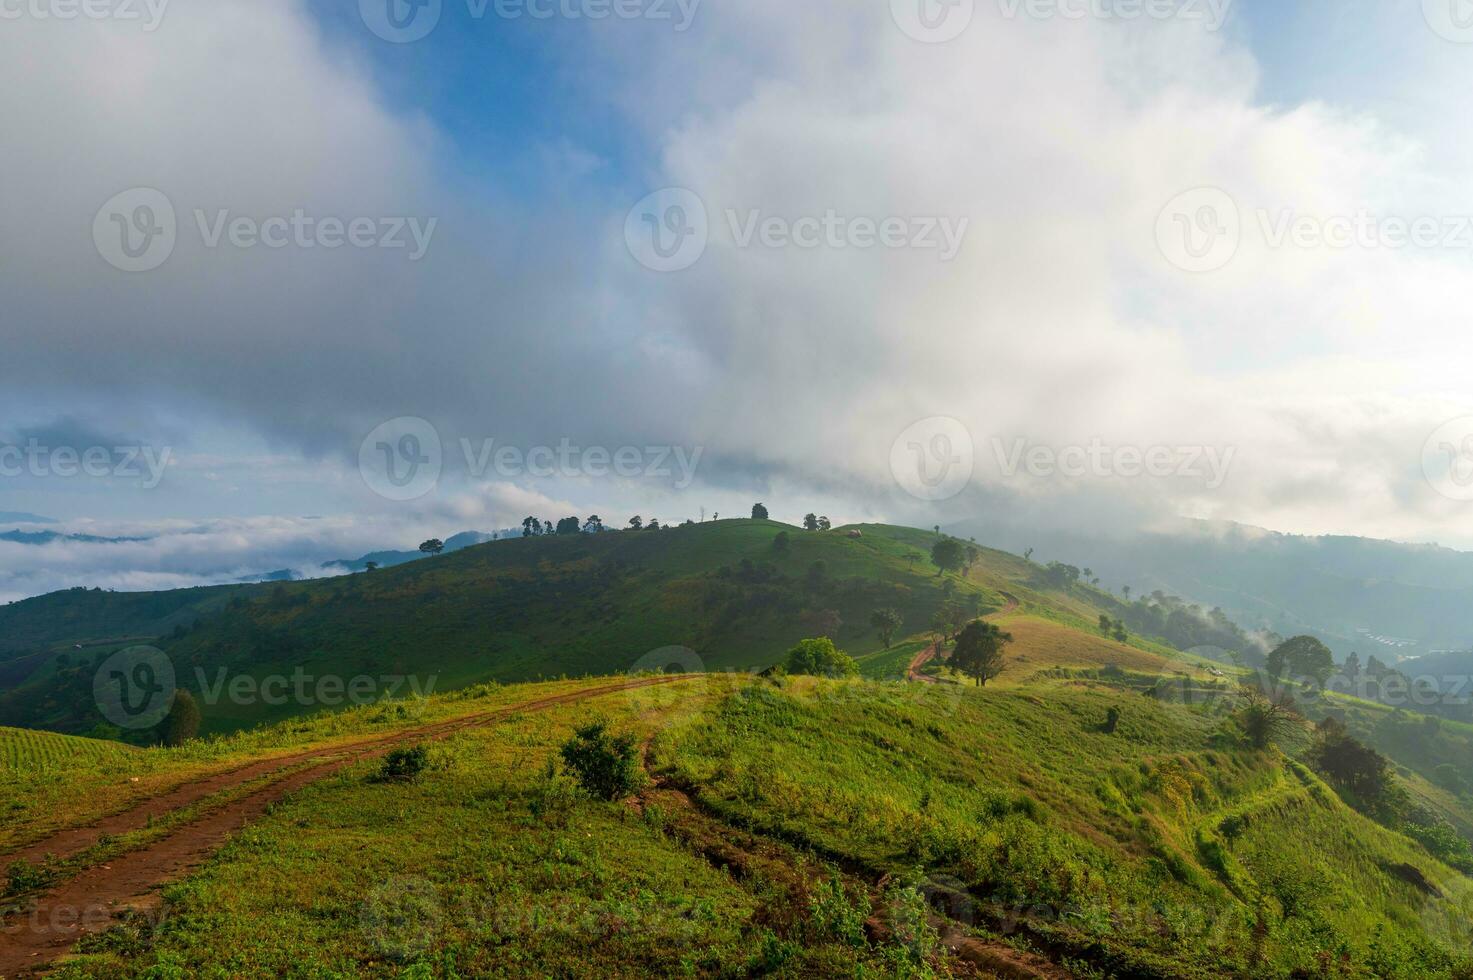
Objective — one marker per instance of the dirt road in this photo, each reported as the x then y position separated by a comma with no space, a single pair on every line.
93,900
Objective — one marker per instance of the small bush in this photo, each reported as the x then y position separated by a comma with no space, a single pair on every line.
553,796
1112,721
22,876
404,764
607,766
838,914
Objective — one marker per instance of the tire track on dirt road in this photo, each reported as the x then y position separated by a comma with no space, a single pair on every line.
93,900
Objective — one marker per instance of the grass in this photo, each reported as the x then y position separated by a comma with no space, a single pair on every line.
1161,848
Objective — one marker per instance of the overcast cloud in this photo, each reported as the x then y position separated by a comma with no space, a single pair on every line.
1319,371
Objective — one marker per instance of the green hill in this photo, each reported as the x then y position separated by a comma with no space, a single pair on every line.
534,608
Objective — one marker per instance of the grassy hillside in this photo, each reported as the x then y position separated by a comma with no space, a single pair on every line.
788,813
559,606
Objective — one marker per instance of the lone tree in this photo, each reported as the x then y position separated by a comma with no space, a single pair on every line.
978,652
759,512
1353,767
946,554
824,524
1303,656
183,720
594,525
886,622
810,523
531,527
636,523
370,566
820,658
1265,719
433,546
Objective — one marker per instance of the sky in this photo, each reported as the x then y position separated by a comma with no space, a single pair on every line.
289,280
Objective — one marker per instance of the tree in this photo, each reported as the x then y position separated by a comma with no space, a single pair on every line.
972,556
594,525
1265,719
886,622
1120,634
947,622
810,523
183,720
946,554
531,527
824,524
569,525
547,527
1303,656
1125,591
654,524
1352,665
1107,625
433,546
636,523
1028,555
370,566
979,651
1350,765
759,512
780,543
820,658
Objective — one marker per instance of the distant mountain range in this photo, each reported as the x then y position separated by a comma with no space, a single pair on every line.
47,537
1374,597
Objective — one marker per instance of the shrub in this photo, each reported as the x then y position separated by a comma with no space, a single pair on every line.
820,658
183,721
553,796
607,766
834,914
1112,720
404,763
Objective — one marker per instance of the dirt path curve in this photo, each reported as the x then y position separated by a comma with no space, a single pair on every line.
93,900
913,672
